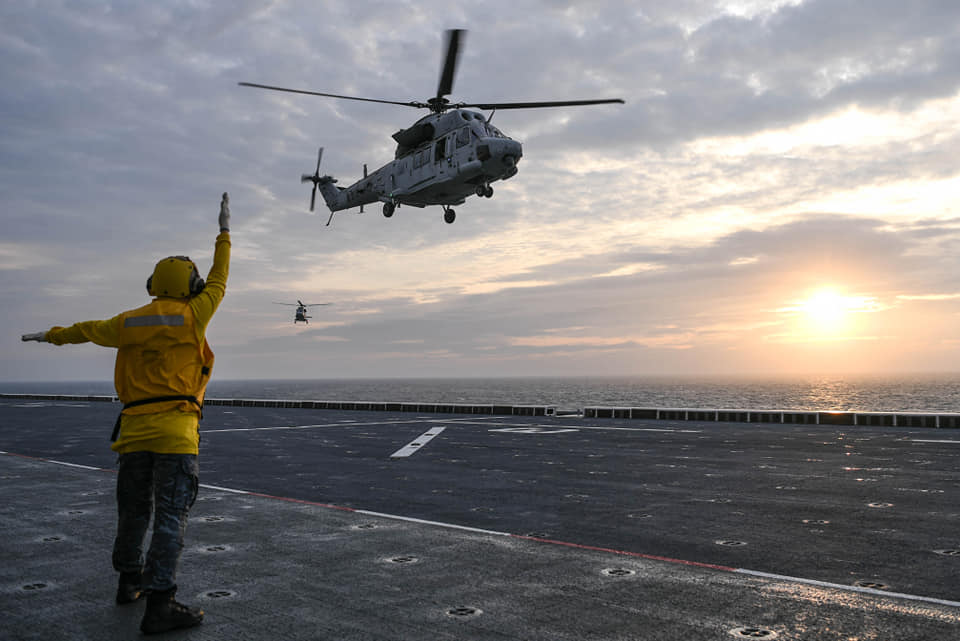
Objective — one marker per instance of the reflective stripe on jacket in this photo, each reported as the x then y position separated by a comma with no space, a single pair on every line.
161,354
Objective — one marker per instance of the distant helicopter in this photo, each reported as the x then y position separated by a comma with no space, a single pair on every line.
301,314
447,155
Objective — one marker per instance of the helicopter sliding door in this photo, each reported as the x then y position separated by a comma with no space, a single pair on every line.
421,169
440,150
443,151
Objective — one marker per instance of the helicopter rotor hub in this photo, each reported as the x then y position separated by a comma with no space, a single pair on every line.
438,105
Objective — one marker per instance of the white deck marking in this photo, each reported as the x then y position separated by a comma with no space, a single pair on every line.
636,429
222,489
82,467
473,421
923,440
533,429
849,588
417,443
451,526
305,427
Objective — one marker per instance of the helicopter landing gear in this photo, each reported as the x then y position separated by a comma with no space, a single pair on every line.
388,209
485,190
449,215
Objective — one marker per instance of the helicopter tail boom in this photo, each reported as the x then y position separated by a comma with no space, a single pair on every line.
331,193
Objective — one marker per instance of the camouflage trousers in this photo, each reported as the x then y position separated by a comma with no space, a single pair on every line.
161,486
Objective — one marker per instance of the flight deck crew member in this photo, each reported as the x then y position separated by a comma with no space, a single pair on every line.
162,369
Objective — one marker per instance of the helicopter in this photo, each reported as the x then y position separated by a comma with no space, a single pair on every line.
444,157
301,313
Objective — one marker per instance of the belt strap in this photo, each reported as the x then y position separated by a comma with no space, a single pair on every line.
146,401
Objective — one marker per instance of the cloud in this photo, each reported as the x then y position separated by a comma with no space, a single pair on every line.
765,149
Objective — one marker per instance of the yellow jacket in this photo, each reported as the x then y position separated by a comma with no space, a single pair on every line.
162,351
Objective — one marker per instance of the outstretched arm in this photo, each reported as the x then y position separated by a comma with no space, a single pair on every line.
101,332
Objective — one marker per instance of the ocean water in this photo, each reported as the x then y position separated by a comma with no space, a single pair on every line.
917,393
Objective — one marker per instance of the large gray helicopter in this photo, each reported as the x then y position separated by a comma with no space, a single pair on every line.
447,155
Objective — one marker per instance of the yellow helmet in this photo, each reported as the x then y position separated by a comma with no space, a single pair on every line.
175,277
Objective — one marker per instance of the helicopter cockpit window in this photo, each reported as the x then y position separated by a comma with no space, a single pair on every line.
463,136
493,131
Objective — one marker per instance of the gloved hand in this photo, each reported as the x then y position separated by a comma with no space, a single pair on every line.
38,336
225,213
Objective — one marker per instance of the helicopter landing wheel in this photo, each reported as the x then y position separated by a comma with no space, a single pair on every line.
388,209
488,192
449,215
481,190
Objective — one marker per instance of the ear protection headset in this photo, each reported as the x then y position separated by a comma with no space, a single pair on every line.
175,277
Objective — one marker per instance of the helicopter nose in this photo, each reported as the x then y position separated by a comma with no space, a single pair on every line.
512,153
499,155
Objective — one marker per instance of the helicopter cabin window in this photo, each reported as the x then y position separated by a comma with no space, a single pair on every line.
441,150
463,136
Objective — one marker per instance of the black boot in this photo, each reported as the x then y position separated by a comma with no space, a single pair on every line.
165,613
128,589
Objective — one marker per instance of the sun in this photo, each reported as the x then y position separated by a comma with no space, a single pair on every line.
827,310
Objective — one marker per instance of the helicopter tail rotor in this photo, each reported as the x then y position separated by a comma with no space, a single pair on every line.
315,179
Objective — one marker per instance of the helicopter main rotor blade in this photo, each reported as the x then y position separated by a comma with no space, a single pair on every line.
536,105
418,105
450,63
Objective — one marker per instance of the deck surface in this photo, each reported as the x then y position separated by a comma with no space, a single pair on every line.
327,524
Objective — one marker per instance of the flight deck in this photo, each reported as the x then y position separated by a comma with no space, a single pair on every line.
427,522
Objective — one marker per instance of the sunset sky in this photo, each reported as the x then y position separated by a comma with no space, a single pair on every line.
779,194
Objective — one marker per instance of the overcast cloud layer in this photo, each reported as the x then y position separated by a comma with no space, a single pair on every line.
767,150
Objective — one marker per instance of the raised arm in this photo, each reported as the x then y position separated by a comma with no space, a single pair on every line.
206,303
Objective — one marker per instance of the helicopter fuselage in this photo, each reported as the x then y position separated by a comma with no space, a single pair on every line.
440,160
